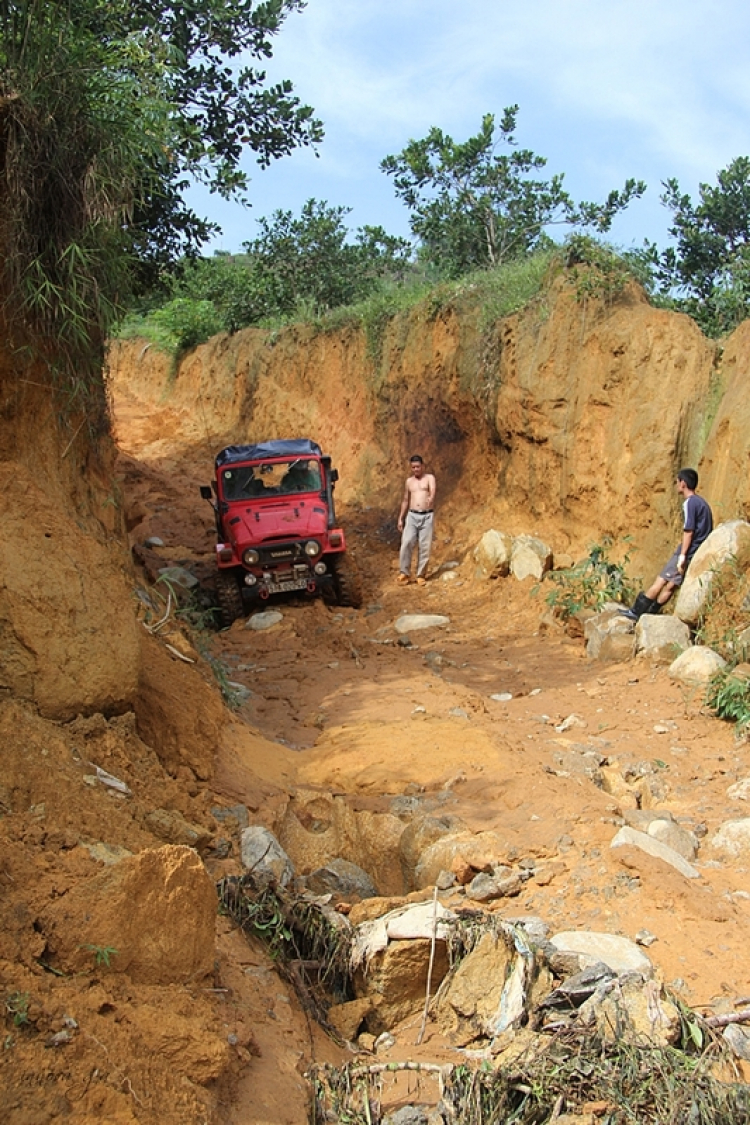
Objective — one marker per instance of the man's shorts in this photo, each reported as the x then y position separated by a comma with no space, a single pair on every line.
670,573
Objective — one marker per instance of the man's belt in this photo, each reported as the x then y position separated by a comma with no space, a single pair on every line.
420,512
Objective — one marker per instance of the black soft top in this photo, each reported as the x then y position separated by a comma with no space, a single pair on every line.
264,450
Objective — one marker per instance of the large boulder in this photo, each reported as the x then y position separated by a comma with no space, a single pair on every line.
152,916
696,665
661,638
492,554
726,551
529,557
609,635
264,858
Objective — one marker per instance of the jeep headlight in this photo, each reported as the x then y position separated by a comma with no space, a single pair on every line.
250,557
312,548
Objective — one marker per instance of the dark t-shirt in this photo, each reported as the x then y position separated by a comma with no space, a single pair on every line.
699,520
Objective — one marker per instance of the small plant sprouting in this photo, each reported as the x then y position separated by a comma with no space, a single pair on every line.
102,954
591,582
17,1006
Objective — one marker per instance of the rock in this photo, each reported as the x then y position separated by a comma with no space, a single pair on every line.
726,551
470,1006
395,981
633,1009
738,1038
178,576
609,635
654,847
740,791
342,879
482,852
577,988
348,1018
108,854
610,780
619,954
675,837
571,721
407,1115
423,831
264,858
232,812
411,622
492,554
502,696
317,827
535,928
485,888
154,914
661,637
171,827
111,782
697,665
264,620
153,541
733,838
240,692
529,557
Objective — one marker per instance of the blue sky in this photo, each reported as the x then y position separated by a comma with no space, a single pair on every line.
607,89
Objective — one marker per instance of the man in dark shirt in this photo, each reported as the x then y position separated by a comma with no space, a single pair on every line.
697,525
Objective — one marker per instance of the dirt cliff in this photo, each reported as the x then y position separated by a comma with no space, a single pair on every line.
567,419
120,760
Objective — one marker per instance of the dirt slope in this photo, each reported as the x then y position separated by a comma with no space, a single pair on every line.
160,1021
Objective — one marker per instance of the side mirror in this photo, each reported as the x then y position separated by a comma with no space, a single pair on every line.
206,492
334,474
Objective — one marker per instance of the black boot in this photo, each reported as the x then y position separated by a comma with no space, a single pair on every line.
641,605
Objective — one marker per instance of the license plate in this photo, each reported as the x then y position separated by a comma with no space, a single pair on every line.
286,587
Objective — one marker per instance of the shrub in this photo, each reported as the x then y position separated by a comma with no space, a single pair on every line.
591,582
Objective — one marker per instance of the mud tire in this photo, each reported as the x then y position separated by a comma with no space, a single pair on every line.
347,581
229,597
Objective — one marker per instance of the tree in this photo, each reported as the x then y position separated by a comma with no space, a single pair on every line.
707,271
473,207
106,108
311,259
219,110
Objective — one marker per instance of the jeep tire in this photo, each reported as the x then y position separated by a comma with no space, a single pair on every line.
229,597
346,580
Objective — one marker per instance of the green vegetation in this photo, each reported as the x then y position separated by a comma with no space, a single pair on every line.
105,110
471,207
17,1008
591,582
103,954
707,272
728,695
575,1071
109,110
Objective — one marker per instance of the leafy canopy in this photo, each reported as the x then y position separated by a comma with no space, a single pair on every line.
310,259
107,108
473,206
707,270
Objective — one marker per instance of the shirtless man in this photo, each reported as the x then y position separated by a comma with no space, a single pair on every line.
415,521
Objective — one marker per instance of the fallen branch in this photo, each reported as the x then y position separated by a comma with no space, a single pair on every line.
743,1016
429,970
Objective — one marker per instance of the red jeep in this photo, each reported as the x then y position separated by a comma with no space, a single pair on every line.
276,526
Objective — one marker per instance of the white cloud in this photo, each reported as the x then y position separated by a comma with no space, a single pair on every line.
629,87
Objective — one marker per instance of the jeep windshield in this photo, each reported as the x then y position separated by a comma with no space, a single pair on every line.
271,478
